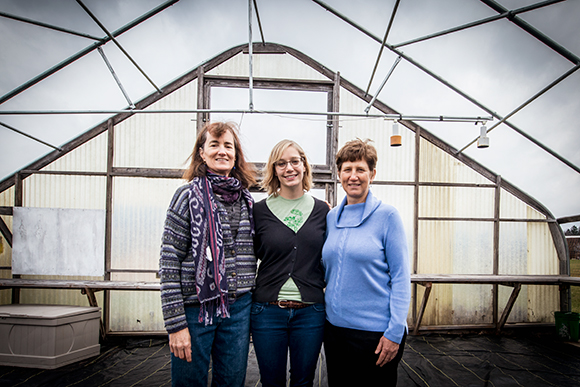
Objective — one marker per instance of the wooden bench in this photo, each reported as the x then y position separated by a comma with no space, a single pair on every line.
515,281
86,287
427,280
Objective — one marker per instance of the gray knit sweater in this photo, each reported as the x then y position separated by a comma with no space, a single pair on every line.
177,267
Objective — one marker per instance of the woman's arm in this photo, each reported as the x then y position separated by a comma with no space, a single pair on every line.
175,244
396,253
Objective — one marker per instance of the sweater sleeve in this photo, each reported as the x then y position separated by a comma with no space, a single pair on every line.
174,246
396,254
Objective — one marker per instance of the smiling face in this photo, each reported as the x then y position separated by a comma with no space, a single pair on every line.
355,177
219,153
290,171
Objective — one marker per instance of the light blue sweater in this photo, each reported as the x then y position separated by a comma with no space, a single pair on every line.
368,285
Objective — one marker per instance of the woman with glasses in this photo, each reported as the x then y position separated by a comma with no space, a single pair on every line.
288,309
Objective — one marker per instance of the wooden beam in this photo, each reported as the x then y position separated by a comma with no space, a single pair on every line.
6,232
428,287
508,307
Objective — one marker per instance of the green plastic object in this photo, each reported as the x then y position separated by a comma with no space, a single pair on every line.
567,325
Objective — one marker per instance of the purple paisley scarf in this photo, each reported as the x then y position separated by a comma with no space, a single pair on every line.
207,241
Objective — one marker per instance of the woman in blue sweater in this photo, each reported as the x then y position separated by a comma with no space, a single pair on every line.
288,309
367,276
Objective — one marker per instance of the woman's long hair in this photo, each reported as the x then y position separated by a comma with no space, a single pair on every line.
243,171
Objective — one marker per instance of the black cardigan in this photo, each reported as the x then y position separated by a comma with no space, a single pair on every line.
284,253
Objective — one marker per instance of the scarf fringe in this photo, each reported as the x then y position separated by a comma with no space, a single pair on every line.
217,307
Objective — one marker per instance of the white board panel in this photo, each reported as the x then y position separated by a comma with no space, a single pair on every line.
58,241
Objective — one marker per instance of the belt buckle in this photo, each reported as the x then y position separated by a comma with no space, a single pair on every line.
280,304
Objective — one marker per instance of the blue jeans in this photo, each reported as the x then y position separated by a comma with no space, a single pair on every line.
227,340
275,330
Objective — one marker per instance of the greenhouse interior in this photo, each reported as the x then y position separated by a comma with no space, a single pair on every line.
469,104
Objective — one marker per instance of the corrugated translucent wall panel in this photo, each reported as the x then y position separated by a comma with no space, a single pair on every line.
267,66
136,311
528,248
91,156
63,191
513,259
457,247
514,208
461,202
7,197
542,259
513,248
394,163
6,200
159,140
54,191
401,197
139,208
439,166
542,255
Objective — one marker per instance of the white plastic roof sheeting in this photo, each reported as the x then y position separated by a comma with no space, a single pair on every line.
499,65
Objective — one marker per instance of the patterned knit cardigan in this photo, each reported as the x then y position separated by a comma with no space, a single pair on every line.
177,267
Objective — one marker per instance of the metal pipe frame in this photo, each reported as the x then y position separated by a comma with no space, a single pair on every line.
259,22
250,57
507,14
49,26
106,31
382,84
31,137
383,44
393,117
429,72
527,136
85,51
131,104
534,32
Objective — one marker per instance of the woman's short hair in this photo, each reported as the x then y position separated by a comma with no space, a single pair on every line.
356,150
243,171
271,183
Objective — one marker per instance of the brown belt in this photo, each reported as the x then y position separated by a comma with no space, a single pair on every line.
290,304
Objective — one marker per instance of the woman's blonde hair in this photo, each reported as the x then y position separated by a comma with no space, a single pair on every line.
270,183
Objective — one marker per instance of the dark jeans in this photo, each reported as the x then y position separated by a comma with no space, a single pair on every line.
275,330
227,340
351,359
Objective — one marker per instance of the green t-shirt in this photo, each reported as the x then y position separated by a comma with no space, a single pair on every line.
293,213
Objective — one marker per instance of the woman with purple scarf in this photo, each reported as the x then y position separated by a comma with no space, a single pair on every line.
207,263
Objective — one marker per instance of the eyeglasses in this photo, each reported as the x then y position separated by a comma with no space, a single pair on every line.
281,164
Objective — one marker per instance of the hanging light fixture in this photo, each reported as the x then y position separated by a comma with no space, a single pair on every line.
483,140
396,135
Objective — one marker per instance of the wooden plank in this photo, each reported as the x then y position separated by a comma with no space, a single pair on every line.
494,279
428,287
64,173
78,284
93,302
508,307
159,173
269,83
6,232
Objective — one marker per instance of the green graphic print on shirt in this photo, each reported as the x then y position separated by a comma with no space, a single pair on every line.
295,220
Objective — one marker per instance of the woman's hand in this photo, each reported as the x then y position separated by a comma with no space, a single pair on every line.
180,344
387,350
